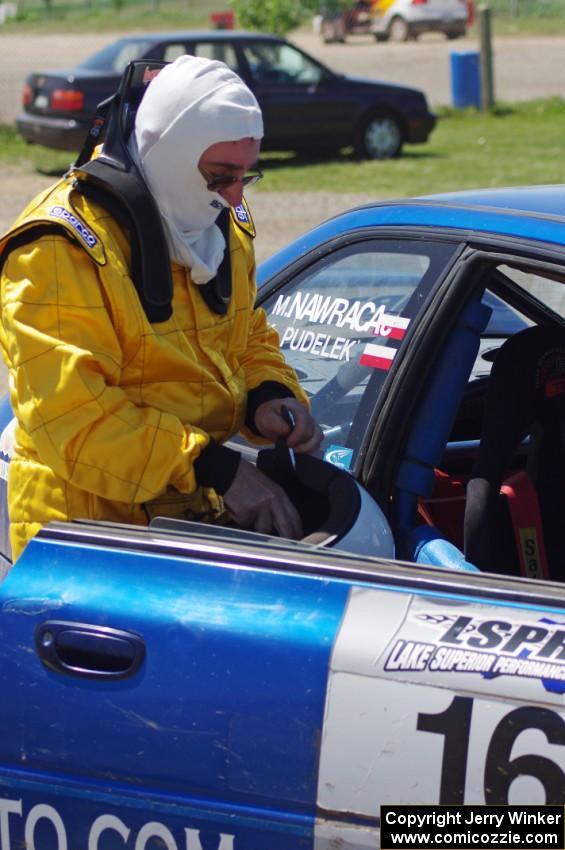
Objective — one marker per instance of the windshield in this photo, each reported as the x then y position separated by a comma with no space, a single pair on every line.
116,56
342,321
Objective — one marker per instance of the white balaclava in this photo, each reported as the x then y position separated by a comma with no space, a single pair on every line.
191,104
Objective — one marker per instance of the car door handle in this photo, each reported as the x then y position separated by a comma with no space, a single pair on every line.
83,650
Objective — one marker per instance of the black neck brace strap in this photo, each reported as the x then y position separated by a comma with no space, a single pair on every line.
113,181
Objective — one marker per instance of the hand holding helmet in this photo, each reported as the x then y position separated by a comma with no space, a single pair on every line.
256,502
304,436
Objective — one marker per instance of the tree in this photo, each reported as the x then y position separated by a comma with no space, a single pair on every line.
277,16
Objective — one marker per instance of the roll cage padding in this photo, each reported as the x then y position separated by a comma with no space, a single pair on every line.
434,420
427,546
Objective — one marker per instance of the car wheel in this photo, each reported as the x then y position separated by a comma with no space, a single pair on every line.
398,29
379,137
381,36
451,34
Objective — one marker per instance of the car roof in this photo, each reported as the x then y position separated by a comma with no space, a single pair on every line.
522,213
197,35
543,200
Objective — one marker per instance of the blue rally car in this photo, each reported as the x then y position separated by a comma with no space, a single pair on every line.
199,688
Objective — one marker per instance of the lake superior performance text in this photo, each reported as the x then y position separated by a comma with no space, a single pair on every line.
472,827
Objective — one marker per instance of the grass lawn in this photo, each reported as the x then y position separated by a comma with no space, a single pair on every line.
518,144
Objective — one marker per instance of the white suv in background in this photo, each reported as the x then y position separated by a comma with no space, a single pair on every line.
400,20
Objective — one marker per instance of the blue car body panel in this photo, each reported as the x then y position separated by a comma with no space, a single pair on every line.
215,744
225,716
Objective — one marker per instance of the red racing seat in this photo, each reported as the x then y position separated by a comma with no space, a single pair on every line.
517,525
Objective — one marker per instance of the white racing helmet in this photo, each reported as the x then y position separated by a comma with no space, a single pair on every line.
336,511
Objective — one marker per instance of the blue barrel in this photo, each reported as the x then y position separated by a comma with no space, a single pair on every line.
465,79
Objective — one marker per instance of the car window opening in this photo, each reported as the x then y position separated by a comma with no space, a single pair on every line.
508,440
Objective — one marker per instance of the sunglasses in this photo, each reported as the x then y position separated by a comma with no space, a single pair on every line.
217,182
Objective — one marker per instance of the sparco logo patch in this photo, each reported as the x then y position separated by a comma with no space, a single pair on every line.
84,233
241,213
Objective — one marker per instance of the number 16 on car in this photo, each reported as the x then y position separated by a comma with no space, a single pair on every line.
419,732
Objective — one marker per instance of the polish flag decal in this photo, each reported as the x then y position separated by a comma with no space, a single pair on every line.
393,327
377,356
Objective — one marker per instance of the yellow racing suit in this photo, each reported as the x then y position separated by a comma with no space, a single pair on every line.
114,413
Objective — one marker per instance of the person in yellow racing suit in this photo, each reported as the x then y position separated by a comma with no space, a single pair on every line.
119,418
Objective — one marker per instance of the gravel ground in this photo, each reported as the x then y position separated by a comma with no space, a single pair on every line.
278,218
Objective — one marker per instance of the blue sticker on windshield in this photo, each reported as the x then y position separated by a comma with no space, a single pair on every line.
339,456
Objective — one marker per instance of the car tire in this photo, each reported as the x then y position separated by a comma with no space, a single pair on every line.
451,34
381,36
380,136
398,29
